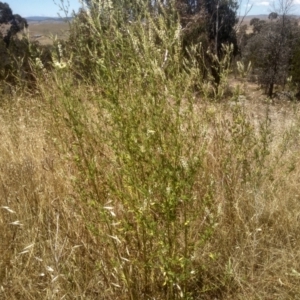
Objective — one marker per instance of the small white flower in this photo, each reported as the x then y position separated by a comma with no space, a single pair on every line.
142,148
60,50
59,65
183,162
108,4
177,32
39,63
168,190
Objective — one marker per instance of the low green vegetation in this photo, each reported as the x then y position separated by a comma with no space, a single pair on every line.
129,171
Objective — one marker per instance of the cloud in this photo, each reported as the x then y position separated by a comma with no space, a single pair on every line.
262,3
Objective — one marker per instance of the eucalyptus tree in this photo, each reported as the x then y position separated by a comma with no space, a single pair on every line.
257,25
270,47
14,23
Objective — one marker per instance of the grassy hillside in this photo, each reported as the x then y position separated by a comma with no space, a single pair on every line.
124,175
45,31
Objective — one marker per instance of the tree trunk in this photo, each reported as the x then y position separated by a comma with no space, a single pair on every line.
217,31
271,88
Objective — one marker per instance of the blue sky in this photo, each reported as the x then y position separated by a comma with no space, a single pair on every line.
47,8
27,8
265,6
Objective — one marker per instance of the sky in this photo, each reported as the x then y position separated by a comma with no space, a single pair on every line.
264,7
48,8
44,8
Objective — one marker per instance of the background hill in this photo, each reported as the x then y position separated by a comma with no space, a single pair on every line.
39,19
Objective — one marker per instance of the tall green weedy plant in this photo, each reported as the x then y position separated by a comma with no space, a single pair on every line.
140,152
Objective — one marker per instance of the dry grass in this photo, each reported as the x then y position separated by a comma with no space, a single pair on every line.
50,251
33,189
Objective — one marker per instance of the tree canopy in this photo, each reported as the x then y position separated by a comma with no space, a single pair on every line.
270,49
14,22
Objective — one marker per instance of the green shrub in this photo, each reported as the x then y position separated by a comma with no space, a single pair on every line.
19,59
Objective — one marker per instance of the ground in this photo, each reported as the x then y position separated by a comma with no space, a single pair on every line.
44,32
